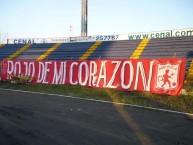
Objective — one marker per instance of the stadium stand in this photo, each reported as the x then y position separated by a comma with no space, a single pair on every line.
49,51
179,47
15,54
121,49
140,48
168,47
33,52
90,50
9,49
1,45
70,51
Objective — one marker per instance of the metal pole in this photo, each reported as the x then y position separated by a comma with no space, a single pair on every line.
70,28
84,18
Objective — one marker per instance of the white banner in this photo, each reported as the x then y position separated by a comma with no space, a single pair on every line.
134,36
37,40
160,34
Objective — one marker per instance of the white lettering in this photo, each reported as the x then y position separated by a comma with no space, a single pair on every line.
123,75
109,85
93,71
140,68
26,67
71,74
80,73
31,69
46,70
10,68
40,74
102,74
17,66
59,77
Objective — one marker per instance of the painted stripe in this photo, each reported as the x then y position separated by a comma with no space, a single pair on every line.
90,50
102,101
189,76
15,54
140,48
1,45
49,51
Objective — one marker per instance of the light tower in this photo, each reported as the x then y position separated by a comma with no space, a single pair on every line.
84,18
70,29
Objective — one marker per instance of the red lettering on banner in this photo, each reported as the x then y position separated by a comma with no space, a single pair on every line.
164,76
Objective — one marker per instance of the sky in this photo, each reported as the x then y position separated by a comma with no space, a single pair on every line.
52,18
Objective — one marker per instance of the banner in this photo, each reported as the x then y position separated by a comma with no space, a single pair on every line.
113,37
162,76
38,40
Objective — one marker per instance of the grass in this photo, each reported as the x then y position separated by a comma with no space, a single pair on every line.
182,103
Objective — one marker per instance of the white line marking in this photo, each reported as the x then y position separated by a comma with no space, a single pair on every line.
102,101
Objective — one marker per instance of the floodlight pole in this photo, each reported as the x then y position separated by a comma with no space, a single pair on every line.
70,28
84,18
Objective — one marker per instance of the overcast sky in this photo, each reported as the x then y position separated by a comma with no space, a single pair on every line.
52,18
